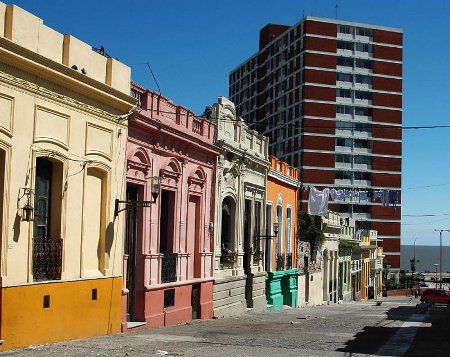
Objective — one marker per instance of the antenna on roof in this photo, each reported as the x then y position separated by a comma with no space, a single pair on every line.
303,12
154,78
336,11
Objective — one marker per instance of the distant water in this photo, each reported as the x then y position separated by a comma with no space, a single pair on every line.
426,255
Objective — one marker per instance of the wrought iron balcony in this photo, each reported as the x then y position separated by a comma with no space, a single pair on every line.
228,257
288,261
258,255
280,261
169,268
47,259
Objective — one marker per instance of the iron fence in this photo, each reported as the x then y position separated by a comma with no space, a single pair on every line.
288,261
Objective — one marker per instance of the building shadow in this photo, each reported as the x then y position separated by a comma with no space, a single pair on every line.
372,338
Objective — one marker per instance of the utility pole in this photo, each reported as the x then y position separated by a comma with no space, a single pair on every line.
440,253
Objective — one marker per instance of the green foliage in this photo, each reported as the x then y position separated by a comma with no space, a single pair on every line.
309,229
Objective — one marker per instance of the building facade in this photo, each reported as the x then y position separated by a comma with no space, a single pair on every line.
241,181
328,94
62,153
310,278
169,244
347,244
281,235
331,227
365,268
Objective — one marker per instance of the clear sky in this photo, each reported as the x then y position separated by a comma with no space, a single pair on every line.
193,45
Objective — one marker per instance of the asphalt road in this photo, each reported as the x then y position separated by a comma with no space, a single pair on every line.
353,329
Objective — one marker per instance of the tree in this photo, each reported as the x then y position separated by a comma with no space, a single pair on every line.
309,229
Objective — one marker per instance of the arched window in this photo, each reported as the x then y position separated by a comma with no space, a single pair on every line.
280,229
288,230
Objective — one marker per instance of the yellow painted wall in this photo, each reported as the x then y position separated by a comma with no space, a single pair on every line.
72,313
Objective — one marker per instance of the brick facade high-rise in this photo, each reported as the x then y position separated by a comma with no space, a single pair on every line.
328,94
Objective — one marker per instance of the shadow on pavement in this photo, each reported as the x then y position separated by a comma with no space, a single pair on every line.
372,338
433,338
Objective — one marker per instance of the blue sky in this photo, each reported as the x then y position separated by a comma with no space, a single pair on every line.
193,45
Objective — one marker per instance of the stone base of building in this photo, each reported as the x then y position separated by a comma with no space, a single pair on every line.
56,311
187,302
230,295
282,289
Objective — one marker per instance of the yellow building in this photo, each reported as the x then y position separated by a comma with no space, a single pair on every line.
365,270
62,152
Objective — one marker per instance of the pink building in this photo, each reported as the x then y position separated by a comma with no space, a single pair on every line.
168,250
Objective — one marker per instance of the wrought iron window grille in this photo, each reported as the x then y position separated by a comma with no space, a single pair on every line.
169,268
280,261
229,258
47,259
288,261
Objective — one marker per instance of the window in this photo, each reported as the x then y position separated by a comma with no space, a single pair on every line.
365,160
361,63
363,95
343,125
344,77
363,127
288,229
344,109
280,228
363,47
363,111
344,158
343,175
344,142
363,79
345,29
362,144
227,236
47,242
343,93
362,176
345,45
364,32
344,61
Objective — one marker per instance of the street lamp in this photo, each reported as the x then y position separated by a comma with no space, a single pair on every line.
440,252
435,275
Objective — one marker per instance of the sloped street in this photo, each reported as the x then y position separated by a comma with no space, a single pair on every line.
355,329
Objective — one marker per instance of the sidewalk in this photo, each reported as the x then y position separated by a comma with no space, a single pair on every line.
433,336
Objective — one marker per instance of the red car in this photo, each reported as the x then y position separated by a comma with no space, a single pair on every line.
435,296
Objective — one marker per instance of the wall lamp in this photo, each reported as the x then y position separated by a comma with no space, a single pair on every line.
129,204
28,209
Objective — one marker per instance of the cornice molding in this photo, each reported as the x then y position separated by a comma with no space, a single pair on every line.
34,63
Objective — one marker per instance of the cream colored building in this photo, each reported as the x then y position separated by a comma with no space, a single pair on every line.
241,179
63,110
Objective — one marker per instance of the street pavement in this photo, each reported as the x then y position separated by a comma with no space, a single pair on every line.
394,328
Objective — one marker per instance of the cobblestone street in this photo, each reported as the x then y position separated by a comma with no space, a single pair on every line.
354,329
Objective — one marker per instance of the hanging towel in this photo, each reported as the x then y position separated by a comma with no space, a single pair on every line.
318,202
393,198
385,198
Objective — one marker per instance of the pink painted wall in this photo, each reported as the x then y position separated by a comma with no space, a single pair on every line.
167,140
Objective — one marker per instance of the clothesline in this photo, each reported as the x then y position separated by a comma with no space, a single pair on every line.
318,200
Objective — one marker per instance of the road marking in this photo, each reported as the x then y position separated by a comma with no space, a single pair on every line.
401,341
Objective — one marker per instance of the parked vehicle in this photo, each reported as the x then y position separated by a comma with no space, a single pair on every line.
435,296
423,285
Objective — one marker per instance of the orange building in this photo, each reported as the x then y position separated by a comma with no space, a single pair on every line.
281,235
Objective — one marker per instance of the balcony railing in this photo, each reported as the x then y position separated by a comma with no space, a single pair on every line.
288,261
280,261
228,258
169,268
47,259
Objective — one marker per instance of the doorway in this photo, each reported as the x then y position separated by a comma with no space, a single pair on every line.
247,253
130,250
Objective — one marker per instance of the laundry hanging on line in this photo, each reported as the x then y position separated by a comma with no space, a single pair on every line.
318,200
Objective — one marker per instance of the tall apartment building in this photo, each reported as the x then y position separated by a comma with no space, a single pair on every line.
328,94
